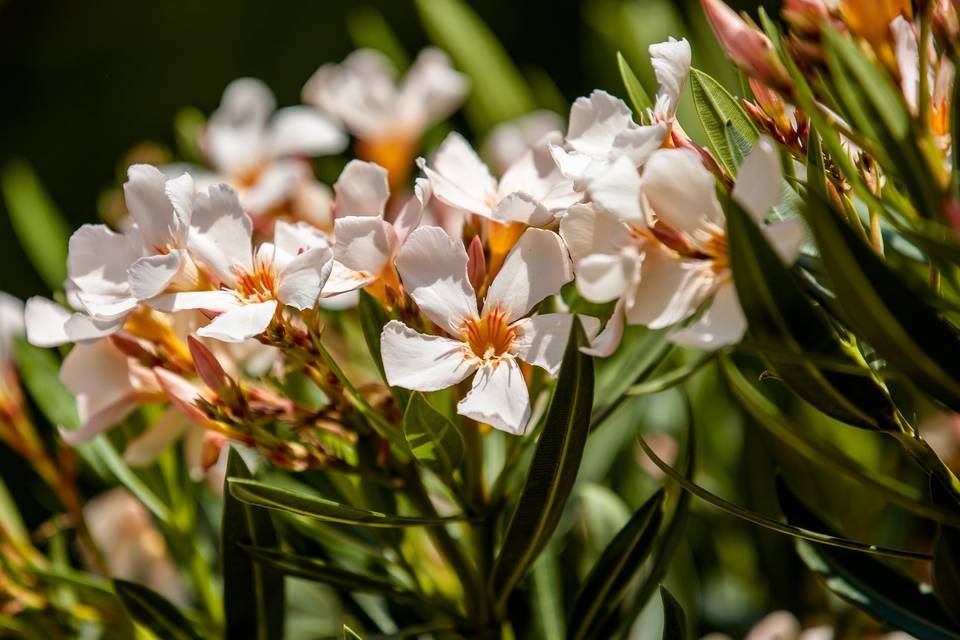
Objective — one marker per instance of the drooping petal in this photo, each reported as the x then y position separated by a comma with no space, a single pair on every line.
671,64
617,190
536,267
420,362
670,289
97,264
759,179
459,178
430,91
82,328
680,190
722,324
304,131
239,324
499,397
300,282
145,448
541,340
587,230
221,234
210,300
150,275
787,237
362,189
364,244
433,267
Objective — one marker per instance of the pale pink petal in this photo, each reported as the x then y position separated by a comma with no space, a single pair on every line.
536,267
541,340
181,192
499,397
572,164
430,91
150,275
155,439
210,300
508,140
146,195
99,421
97,264
617,190
102,399
908,59
640,143
362,190
239,324
45,320
221,234
459,178
779,624
587,230
182,394
605,277
275,185
420,362
787,237
595,122
681,191
722,324
341,281
295,237
522,207
412,212
671,65
234,138
607,341
670,289
759,179
364,244
300,282
82,328
433,267
304,131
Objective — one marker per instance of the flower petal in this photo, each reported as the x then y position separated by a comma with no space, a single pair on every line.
290,239
300,282
908,59
362,189
145,194
104,398
595,122
363,243
155,439
45,321
412,212
587,230
680,190
787,237
521,207
433,267
459,178
275,185
234,137
304,131
670,289
97,264
219,300
541,340
499,397
341,281
536,267
430,91
221,234
420,362
508,140
239,324
671,65
150,275
603,277
722,324
617,190
759,179
607,341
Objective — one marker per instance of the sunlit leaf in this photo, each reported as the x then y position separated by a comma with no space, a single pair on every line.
716,108
39,370
638,96
434,440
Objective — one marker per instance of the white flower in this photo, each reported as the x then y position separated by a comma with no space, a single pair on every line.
601,130
532,190
363,93
671,65
662,248
940,79
490,342
291,270
255,146
365,244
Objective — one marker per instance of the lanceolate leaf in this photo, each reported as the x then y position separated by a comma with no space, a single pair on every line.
865,582
638,97
553,470
604,586
258,494
674,619
253,594
716,107
433,439
885,310
154,611
39,370
781,315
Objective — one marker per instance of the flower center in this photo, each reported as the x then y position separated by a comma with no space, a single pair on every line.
258,286
489,337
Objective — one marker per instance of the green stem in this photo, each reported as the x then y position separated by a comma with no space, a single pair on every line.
923,100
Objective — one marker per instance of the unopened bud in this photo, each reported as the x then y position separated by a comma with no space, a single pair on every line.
772,104
182,394
805,16
749,49
131,347
207,366
476,263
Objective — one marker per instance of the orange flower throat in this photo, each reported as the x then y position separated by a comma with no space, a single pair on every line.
489,337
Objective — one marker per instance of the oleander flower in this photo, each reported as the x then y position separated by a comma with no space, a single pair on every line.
290,271
940,80
671,66
489,341
259,149
388,118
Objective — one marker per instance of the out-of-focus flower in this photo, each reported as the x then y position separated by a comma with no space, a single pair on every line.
941,79
433,267
388,119
291,270
870,20
258,149
132,545
783,625
746,45
509,140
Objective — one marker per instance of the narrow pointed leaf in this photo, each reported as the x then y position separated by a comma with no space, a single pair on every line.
674,619
253,594
257,494
716,108
39,370
638,97
154,612
553,470
604,586
433,439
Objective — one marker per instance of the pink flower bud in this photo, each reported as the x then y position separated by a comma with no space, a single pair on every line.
182,394
749,49
207,366
476,263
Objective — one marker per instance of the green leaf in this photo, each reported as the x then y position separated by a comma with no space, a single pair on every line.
641,352
671,378
40,227
781,315
499,92
258,494
373,317
674,619
154,612
253,594
40,372
605,585
547,595
433,439
553,470
638,97
350,634
104,451
369,30
339,579
94,592
885,310
867,583
716,108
